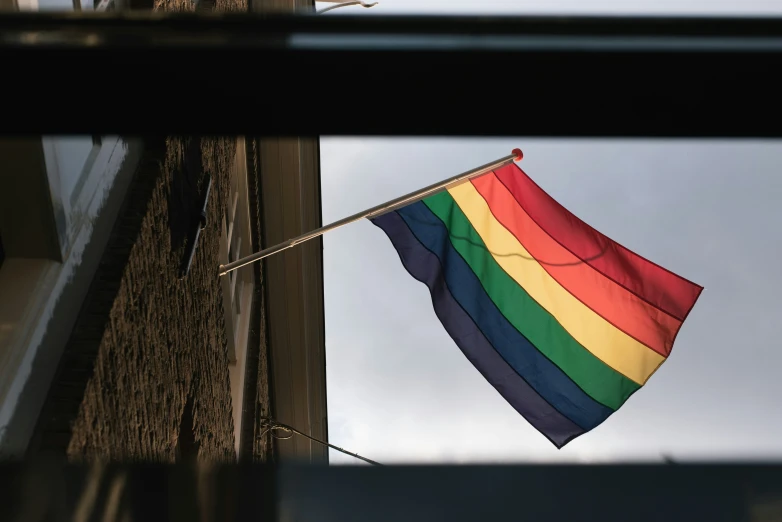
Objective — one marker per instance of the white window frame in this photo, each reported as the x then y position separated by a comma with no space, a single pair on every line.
71,208
237,286
83,5
31,287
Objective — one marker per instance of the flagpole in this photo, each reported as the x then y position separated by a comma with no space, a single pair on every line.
375,211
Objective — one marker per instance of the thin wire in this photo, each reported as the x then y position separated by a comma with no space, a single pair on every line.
345,4
278,437
274,425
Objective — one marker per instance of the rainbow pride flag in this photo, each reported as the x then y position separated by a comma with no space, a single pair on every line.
564,322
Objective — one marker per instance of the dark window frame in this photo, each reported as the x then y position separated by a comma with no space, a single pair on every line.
435,76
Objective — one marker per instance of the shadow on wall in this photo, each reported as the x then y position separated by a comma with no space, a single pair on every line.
183,203
187,445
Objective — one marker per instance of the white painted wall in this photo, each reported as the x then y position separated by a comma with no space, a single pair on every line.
238,325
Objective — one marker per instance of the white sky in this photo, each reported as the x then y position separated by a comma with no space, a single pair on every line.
614,7
399,390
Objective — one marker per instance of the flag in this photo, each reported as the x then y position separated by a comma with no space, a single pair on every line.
564,322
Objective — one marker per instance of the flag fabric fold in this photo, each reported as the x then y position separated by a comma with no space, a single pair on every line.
564,322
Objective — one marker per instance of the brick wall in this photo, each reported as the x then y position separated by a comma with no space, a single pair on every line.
146,341
148,346
256,440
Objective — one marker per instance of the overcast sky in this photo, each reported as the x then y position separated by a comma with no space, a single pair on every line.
680,7
399,390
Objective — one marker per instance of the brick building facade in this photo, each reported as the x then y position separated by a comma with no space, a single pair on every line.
133,361
148,348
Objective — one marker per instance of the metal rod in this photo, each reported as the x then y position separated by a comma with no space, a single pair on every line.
376,211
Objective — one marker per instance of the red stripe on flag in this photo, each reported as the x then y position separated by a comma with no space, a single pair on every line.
614,303
654,284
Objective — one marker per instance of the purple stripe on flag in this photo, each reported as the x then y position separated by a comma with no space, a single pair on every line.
425,267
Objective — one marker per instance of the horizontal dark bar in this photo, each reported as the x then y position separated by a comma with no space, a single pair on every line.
138,26
639,493
373,75
540,493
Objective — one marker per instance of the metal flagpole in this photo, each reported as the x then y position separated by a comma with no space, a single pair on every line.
376,211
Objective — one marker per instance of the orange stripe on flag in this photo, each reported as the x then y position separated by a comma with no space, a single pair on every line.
654,284
614,303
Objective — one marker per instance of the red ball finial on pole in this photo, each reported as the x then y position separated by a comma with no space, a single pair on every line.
518,153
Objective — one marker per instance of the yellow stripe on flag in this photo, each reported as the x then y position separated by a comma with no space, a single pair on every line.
606,342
